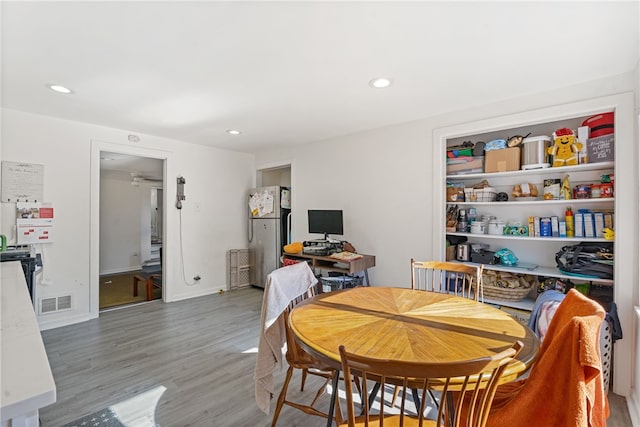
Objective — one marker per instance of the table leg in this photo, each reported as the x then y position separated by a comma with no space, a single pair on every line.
334,397
372,396
366,276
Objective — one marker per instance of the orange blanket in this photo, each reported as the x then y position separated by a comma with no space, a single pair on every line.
564,387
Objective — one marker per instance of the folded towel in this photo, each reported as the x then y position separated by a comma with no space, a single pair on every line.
564,387
283,285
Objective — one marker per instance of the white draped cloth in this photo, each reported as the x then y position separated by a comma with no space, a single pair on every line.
283,285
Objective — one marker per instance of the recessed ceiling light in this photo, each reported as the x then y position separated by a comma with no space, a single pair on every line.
60,89
380,83
233,132
107,158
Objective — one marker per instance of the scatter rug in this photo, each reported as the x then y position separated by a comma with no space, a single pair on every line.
104,418
136,411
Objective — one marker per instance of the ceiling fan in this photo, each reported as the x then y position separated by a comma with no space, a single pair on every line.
137,178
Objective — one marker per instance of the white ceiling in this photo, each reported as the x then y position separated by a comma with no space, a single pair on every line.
297,72
125,167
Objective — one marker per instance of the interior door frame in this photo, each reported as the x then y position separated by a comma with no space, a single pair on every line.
97,147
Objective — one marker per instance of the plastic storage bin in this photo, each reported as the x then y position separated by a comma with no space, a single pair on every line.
340,282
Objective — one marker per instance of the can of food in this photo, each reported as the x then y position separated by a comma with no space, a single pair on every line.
606,189
582,191
595,191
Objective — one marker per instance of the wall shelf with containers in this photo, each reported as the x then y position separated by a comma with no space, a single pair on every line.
540,251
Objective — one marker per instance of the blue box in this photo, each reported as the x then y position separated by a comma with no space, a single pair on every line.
545,226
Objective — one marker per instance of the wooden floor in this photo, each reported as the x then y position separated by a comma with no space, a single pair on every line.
201,350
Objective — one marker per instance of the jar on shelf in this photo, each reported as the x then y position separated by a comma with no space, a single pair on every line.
582,191
496,227
606,189
595,191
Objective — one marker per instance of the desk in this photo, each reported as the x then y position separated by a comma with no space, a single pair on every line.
327,263
408,325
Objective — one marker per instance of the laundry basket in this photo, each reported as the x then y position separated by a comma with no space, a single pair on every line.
606,347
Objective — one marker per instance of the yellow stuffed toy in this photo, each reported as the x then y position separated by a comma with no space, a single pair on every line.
565,148
293,248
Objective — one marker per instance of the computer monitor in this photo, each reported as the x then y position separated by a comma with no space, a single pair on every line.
325,222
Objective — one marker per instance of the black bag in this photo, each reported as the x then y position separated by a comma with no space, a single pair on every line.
587,258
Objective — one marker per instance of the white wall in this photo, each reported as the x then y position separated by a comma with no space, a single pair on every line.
382,180
125,219
213,217
634,399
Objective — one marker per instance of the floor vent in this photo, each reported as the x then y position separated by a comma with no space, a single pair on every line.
55,304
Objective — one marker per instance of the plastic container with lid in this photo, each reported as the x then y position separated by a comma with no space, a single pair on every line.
496,227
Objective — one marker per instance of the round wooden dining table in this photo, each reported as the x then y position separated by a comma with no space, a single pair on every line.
408,325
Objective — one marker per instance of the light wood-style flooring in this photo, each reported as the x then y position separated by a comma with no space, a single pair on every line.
202,350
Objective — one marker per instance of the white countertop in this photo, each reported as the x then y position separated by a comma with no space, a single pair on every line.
25,375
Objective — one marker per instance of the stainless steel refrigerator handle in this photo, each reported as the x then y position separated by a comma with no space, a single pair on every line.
250,225
289,228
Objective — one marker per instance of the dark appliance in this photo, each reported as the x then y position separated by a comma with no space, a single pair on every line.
29,265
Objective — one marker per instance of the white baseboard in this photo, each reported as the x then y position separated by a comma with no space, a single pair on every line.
184,296
121,270
634,411
46,323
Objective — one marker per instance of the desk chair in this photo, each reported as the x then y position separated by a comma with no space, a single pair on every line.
468,400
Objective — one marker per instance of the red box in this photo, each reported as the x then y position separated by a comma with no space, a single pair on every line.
599,125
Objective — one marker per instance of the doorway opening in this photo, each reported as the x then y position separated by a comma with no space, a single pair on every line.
131,229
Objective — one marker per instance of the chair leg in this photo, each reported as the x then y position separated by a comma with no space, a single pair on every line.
396,392
282,397
304,379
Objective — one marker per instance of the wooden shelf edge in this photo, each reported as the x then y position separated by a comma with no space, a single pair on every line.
586,167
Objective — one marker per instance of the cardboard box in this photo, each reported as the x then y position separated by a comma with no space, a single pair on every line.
589,226
504,160
598,223
555,227
578,219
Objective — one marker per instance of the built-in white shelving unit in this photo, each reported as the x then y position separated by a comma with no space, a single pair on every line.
541,250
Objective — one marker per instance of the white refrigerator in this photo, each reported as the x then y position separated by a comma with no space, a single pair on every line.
269,229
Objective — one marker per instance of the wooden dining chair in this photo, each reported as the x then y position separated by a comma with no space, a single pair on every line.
448,277
467,388
565,385
445,277
300,359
